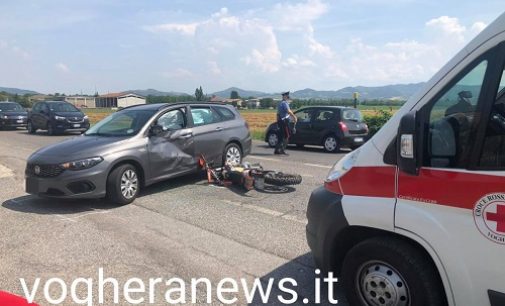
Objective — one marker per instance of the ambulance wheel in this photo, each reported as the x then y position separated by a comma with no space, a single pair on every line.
382,271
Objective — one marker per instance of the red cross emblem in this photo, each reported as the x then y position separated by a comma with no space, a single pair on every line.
498,217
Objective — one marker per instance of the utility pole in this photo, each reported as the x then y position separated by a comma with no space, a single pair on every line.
355,97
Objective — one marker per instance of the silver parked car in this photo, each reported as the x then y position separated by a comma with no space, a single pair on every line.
136,147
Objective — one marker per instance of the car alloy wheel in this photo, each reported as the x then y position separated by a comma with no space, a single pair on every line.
129,184
379,284
233,155
273,139
330,144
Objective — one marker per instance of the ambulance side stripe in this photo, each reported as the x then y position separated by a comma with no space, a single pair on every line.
432,186
366,182
448,188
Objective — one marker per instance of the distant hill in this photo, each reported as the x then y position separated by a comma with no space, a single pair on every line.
399,91
154,92
241,92
18,91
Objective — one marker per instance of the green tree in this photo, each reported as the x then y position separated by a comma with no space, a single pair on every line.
234,95
375,122
199,95
266,102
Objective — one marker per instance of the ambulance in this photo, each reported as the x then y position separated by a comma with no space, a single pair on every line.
416,216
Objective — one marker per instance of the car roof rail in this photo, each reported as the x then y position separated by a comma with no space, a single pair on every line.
165,105
169,104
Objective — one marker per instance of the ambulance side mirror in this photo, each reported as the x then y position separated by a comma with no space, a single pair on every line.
407,144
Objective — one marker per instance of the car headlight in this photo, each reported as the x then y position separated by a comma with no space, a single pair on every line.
82,164
85,117
5,117
59,118
342,166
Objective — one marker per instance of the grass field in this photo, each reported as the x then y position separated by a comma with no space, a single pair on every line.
258,119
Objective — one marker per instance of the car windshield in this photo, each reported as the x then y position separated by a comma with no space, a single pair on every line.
63,107
122,123
352,114
10,107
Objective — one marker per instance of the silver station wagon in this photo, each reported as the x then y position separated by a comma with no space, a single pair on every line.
136,147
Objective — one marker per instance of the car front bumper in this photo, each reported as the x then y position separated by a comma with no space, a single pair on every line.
71,126
83,184
326,220
12,123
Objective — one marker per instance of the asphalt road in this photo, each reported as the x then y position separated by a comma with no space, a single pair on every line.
179,228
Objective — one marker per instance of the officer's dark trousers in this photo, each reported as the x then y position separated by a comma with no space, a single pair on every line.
282,134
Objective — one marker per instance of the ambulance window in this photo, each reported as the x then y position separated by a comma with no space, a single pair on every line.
450,121
493,149
501,87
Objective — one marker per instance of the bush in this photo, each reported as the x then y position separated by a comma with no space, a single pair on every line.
375,122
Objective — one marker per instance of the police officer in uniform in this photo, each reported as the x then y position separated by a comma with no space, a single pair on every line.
283,114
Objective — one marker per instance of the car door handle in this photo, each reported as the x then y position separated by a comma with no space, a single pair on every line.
185,135
219,128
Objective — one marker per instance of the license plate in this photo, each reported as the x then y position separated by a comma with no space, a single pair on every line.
77,125
358,139
19,121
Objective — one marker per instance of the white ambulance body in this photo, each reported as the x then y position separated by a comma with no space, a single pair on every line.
416,216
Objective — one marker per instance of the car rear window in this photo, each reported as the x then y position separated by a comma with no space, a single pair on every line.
352,114
225,113
204,115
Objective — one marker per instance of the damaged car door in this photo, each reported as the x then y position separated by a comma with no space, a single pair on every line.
171,145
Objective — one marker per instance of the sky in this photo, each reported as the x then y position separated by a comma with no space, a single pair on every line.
76,47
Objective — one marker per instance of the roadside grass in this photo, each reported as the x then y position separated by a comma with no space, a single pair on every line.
258,134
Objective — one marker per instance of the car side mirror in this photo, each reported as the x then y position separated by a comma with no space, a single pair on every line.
156,130
408,144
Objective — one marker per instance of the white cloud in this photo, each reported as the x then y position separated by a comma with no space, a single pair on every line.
297,61
317,48
478,26
257,47
185,29
14,50
401,61
299,16
214,68
62,67
250,40
448,25
178,73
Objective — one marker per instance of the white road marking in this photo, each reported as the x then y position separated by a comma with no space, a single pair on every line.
74,219
263,210
264,158
317,165
279,160
63,218
91,213
294,218
5,172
